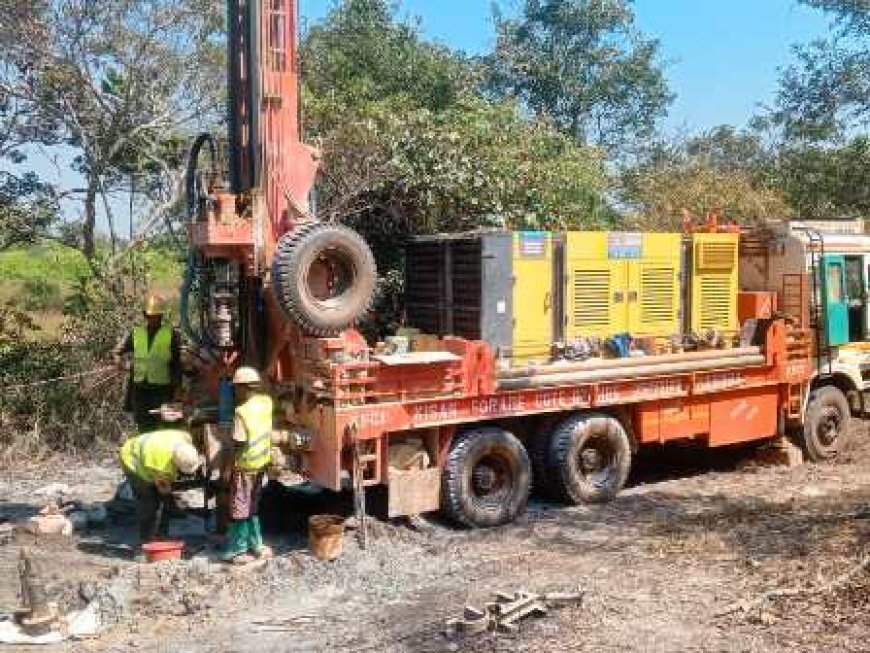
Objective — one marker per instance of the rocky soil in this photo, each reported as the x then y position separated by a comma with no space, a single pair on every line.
681,561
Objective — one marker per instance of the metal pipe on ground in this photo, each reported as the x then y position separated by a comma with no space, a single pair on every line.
628,374
592,365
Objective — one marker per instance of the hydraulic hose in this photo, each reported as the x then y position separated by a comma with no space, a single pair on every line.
190,272
193,168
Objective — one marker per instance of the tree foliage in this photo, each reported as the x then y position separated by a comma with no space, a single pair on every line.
27,209
828,183
825,94
723,170
362,54
584,64
414,149
411,145
109,82
851,15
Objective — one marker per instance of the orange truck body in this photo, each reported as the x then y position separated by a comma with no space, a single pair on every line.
371,404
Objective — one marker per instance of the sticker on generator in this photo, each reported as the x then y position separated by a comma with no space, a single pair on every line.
533,244
624,246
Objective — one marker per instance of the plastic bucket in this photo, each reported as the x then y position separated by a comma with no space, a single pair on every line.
157,551
325,536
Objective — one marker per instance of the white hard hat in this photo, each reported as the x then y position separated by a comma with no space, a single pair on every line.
246,376
186,458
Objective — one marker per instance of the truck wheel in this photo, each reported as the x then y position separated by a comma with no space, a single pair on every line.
486,479
827,423
324,277
590,458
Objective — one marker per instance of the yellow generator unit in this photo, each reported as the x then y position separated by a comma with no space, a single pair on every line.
524,291
622,283
492,286
714,282
534,297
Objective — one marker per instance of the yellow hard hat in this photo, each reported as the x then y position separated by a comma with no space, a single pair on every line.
186,458
247,376
154,305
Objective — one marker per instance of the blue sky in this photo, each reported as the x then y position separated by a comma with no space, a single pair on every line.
722,55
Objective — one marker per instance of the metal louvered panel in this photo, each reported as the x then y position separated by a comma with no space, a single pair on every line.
466,274
717,256
466,277
714,282
424,286
658,295
592,291
715,308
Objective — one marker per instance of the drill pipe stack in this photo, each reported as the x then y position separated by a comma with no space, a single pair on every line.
629,368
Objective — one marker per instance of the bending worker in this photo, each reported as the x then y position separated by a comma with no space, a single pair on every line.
246,467
155,374
152,462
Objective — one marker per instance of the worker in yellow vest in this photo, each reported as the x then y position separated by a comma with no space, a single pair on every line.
152,463
252,445
155,373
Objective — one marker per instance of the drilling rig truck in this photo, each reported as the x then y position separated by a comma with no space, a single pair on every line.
529,358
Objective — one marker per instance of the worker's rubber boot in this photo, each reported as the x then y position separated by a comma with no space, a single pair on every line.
238,537
255,540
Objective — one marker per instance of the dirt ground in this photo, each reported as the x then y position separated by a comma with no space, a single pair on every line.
695,536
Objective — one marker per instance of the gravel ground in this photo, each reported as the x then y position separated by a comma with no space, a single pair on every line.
694,535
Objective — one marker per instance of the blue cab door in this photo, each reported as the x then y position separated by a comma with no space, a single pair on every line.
834,299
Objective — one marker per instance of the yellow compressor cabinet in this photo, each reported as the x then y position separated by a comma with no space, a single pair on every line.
523,291
622,283
492,286
533,296
714,283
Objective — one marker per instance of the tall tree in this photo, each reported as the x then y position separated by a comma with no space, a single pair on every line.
585,65
361,53
409,146
825,94
111,83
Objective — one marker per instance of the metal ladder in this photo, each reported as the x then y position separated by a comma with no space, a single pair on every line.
819,299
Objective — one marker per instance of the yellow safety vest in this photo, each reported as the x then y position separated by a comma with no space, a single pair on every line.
150,456
256,414
152,365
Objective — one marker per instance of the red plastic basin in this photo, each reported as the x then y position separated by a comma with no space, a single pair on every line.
156,551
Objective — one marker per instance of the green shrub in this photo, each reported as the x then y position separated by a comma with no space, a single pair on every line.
42,295
41,411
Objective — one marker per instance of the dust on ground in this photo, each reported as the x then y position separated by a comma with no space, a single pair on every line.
663,568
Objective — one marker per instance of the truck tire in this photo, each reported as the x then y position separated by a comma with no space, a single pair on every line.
324,277
827,423
486,479
589,459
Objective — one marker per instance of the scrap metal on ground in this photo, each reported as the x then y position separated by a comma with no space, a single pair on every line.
505,613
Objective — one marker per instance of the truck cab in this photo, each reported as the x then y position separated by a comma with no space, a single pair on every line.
824,271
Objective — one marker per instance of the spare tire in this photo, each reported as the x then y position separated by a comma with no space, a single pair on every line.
324,277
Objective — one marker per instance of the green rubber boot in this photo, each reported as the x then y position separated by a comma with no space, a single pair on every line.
255,539
255,535
237,540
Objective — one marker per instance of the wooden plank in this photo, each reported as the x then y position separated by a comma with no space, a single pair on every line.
414,492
